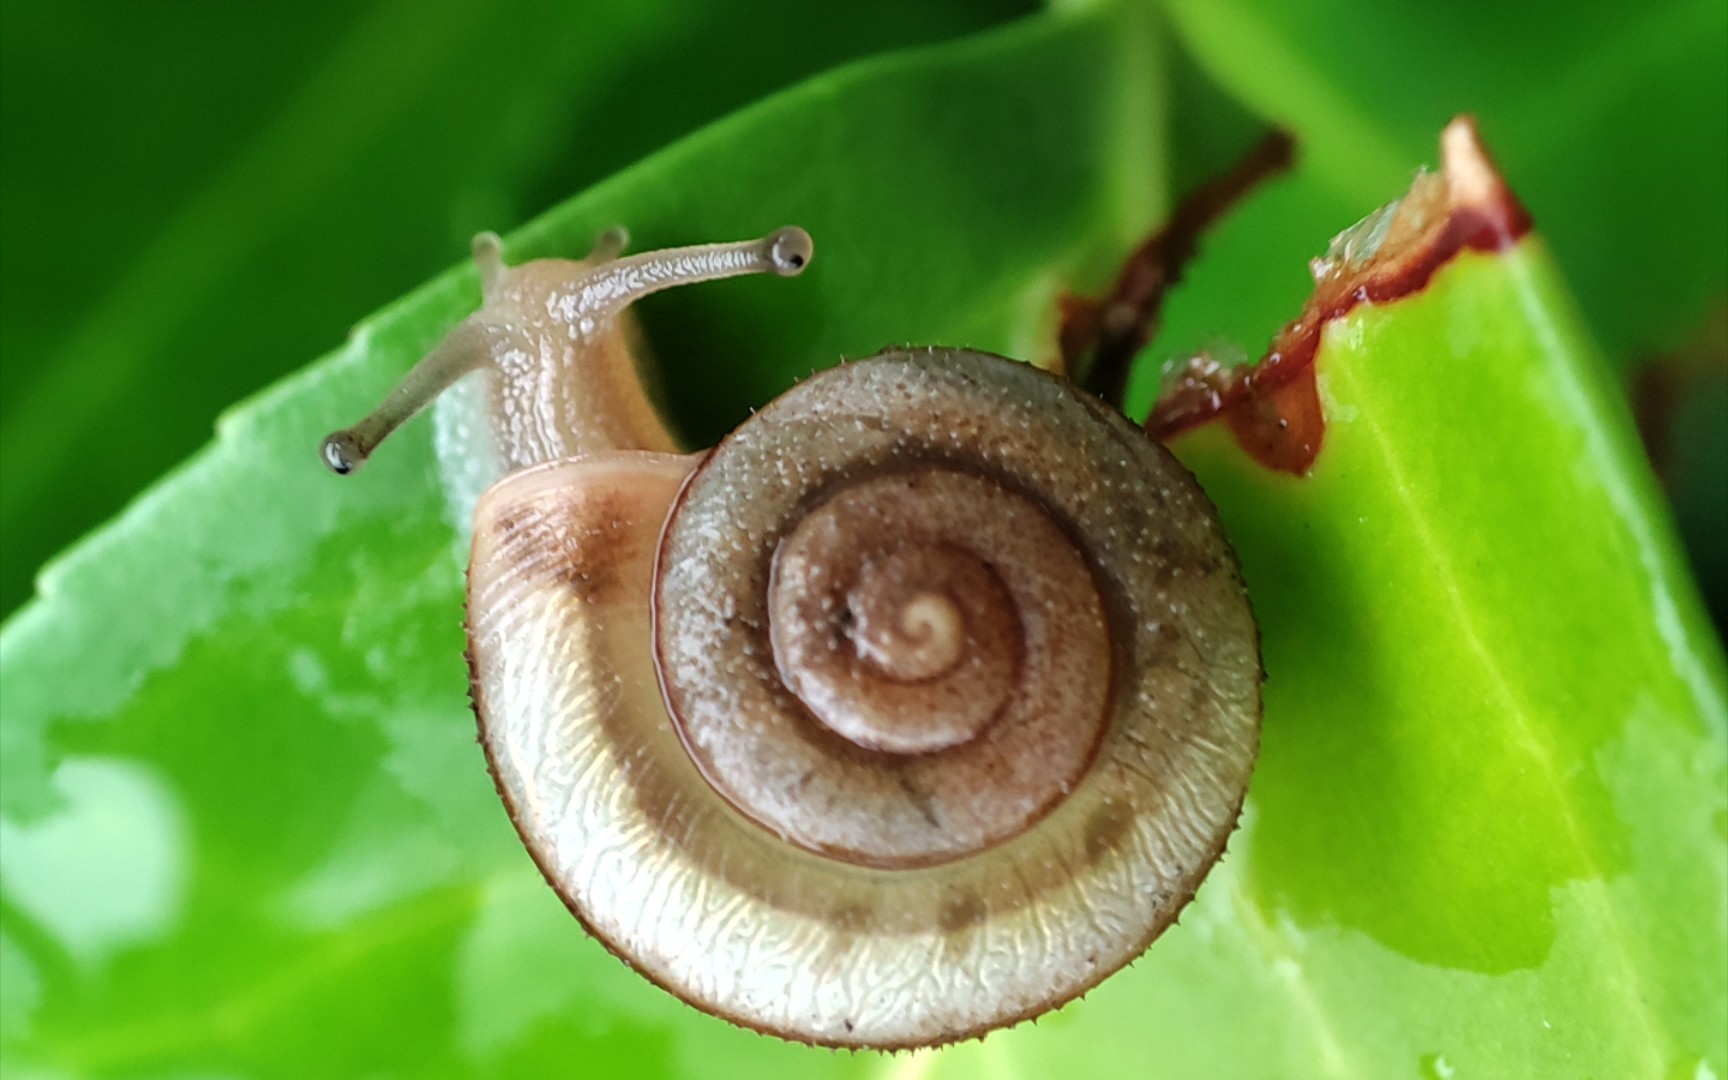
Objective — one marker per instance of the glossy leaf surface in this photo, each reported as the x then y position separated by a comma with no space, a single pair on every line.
1494,746
247,831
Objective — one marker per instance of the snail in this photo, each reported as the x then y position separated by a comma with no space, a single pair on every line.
914,709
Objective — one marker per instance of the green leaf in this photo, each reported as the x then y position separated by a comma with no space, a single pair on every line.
244,829
1489,819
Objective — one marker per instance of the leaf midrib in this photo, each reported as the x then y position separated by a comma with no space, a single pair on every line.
1445,583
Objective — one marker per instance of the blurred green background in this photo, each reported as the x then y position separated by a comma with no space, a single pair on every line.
197,199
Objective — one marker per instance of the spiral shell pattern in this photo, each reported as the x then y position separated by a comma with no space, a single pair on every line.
930,706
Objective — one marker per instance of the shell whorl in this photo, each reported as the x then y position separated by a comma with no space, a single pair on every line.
919,706
891,652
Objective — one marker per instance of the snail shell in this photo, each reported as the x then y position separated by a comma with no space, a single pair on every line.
916,708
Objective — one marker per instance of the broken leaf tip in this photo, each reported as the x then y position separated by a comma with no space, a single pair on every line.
1273,407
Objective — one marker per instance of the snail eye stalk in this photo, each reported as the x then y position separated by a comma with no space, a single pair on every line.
548,331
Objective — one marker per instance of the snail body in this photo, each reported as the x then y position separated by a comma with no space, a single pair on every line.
915,708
